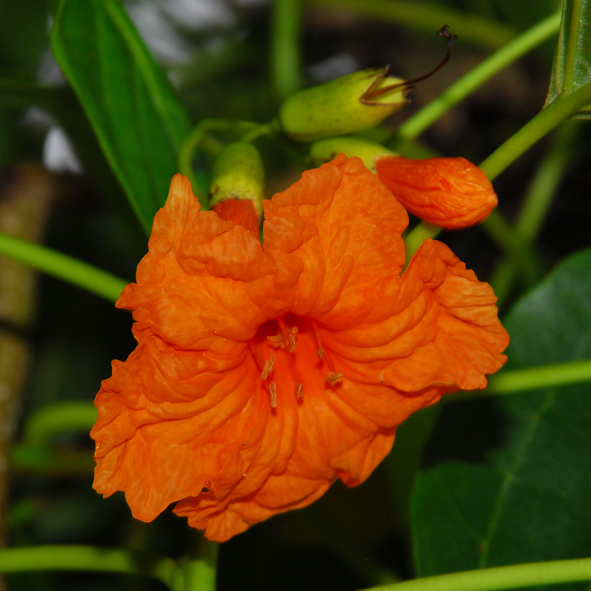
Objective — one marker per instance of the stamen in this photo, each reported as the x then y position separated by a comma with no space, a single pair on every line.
333,377
329,361
276,341
288,334
299,390
273,394
450,38
268,367
320,351
292,338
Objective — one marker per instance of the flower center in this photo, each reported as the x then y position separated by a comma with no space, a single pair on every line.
290,349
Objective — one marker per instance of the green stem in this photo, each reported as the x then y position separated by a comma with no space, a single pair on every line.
285,46
545,376
417,235
544,122
514,245
532,378
62,266
87,558
491,66
502,577
429,18
57,418
259,131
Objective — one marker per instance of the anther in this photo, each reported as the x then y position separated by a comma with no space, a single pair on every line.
450,38
276,341
291,337
288,334
299,390
333,377
268,367
273,394
320,351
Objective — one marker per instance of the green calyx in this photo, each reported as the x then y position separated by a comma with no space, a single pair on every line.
238,174
325,150
346,105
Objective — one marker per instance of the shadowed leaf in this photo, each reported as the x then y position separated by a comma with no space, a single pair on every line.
508,480
129,101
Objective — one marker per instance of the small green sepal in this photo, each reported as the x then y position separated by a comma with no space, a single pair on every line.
354,102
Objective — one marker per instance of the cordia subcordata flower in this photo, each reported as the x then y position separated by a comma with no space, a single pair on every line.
265,372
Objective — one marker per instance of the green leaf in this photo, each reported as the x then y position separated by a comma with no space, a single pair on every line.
130,103
508,480
572,60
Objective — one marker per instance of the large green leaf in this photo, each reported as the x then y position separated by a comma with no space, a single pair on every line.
572,61
129,101
508,480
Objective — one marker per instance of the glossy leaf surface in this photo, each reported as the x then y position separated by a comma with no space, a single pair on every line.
508,480
572,61
129,101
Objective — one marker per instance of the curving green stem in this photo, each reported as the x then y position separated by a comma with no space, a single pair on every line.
466,85
87,558
62,266
418,235
285,46
503,577
544,376
531,378
544,122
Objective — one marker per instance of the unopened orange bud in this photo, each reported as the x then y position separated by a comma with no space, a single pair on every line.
448,192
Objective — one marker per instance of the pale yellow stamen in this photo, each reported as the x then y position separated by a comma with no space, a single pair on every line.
276,341
291,337
333,378
273,394
268,367
299,390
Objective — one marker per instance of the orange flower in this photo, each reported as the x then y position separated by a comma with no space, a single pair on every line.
448,192
264,373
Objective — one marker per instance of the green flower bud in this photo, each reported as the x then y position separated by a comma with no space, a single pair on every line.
325,150
238,174
345,105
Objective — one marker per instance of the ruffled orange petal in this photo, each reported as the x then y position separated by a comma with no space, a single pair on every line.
441,334
448,192
345,228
